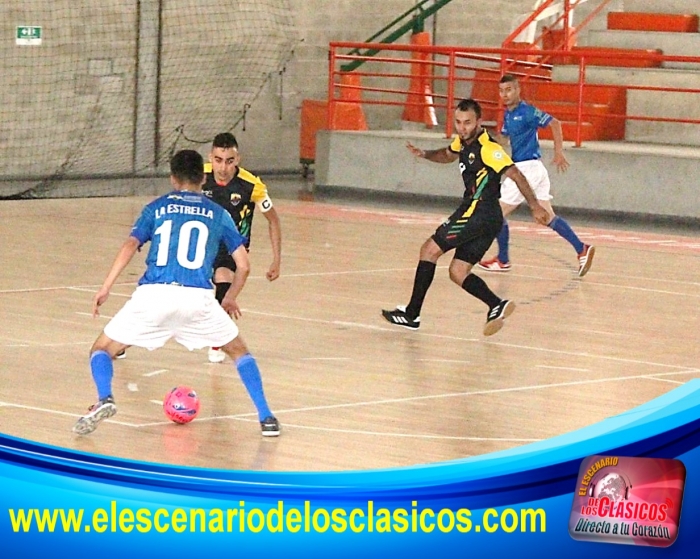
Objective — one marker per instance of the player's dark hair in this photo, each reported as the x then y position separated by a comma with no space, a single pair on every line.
508,78
187,166
470,105
225,140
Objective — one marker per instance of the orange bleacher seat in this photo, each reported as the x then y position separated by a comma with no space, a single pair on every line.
641,21
611,56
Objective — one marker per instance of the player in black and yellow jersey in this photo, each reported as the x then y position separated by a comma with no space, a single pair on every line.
240,193
471,229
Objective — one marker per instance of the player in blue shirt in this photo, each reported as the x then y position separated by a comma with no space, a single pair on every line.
520,125
174,297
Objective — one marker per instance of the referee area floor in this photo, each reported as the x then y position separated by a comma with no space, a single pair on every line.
351,391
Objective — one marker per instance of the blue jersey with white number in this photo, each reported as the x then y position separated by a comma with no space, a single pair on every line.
185,229
520,125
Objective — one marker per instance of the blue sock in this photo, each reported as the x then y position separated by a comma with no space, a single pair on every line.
250,375
102,372
503,238
564,229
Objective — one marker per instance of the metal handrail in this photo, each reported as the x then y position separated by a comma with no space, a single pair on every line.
450,60
418,14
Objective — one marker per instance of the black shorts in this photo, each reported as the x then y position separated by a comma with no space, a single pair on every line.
224,260
470,231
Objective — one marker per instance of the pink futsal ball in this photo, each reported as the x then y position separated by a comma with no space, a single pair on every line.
181,404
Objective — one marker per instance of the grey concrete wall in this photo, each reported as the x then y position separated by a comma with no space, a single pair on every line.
671,44
69,105
604,176
69,95
662,6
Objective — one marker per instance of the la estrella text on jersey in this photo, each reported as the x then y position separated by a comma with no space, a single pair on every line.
180,209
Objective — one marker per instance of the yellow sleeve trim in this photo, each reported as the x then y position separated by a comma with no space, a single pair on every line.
456,145
493,155
259,189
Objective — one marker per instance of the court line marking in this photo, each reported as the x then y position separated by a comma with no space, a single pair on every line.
462,339
438,336
59,412
92,288
644,289
667,380
154,373
33,345
325,358
562,368
461,361
14,340
322,211
354,325
244,417
401,435
378,402
39,317
588,281
487,392
590,331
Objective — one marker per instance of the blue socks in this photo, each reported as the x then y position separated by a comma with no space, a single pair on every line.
250,375
559,225
503,239
102,372
564,229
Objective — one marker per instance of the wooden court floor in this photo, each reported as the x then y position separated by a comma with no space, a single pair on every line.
351,391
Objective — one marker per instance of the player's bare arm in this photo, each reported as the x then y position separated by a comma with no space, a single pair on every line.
559,158
229,304
275,229
442,155
124,256
539,214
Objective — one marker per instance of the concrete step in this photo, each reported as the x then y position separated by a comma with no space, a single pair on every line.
618,176
643,103
661,77
611,56
672,44
652,21
662,6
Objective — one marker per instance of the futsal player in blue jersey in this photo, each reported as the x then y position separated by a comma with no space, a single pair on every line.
174,297
520,125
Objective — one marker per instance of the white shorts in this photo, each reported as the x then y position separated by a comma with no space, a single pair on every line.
156,313
536,174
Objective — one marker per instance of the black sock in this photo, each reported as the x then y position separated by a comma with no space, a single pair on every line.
221,289
477,287
425,272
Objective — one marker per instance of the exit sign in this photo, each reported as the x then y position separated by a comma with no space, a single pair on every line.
28,35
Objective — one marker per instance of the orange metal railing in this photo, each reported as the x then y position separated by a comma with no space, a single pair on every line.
559,35
384,85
